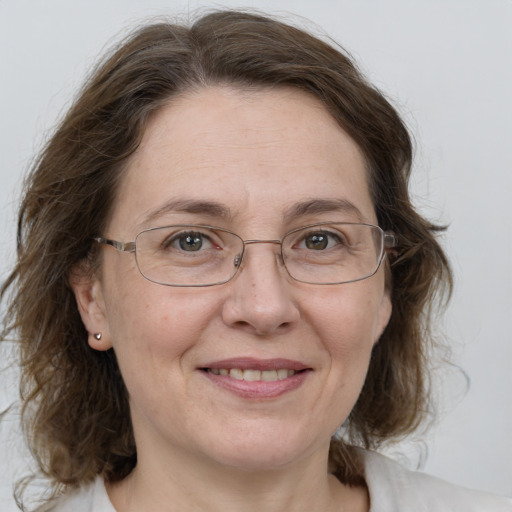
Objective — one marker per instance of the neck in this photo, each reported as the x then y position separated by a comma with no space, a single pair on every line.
187,485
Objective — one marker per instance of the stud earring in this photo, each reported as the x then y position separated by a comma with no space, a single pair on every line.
97,336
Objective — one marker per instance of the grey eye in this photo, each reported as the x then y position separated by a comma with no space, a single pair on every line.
190,242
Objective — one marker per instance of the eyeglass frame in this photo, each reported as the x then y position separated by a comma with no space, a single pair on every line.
389,242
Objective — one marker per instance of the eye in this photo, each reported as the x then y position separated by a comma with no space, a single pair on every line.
191,241
320,241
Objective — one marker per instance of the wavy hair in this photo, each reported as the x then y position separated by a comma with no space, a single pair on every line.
75,408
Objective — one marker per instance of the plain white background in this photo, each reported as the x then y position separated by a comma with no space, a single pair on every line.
446,65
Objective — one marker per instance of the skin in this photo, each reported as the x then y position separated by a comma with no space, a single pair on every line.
201,447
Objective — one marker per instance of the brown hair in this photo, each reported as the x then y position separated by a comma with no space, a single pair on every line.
75,406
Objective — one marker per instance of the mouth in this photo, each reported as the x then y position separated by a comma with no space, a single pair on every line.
257,378
250,375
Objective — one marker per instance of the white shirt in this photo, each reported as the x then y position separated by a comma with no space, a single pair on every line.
392,489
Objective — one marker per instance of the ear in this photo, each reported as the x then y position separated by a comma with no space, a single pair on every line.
88,291
384,314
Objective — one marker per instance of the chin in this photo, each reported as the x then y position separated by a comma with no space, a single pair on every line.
265,452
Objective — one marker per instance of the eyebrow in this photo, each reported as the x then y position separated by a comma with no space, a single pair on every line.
316,206
217,210
208,208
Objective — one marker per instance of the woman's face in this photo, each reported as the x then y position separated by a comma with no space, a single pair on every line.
242,161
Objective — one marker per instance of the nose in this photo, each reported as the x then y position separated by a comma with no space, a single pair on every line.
260,299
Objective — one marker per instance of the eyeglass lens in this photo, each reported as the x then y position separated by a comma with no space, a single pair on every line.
201,255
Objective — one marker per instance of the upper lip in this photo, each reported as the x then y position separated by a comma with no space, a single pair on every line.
251,363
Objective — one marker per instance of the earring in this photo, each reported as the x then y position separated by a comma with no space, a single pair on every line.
97,336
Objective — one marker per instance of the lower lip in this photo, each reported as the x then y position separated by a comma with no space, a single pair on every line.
258,389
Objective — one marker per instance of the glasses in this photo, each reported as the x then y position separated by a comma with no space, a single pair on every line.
199,255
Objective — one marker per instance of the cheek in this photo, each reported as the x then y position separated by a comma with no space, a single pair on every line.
153,327
347,323
350,314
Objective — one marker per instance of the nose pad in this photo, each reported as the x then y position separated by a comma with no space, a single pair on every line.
238,260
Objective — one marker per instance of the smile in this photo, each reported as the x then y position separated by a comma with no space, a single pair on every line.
254,375
257,379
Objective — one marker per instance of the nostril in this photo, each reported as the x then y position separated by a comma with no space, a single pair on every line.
262,331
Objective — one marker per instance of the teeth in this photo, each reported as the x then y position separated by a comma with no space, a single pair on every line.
270,375
282,374
254,375
236,373
250,375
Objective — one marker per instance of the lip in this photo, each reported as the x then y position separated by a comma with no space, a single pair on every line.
251,363
257,390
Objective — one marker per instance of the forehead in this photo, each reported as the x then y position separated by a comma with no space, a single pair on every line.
256,153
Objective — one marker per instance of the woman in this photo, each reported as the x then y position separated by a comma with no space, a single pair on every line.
228,268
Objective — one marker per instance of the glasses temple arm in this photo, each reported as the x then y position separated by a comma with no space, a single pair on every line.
390,240
120,246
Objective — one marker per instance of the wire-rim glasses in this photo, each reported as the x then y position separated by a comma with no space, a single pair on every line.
194,255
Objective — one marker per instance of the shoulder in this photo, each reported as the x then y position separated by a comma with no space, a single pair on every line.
393,488
92,497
